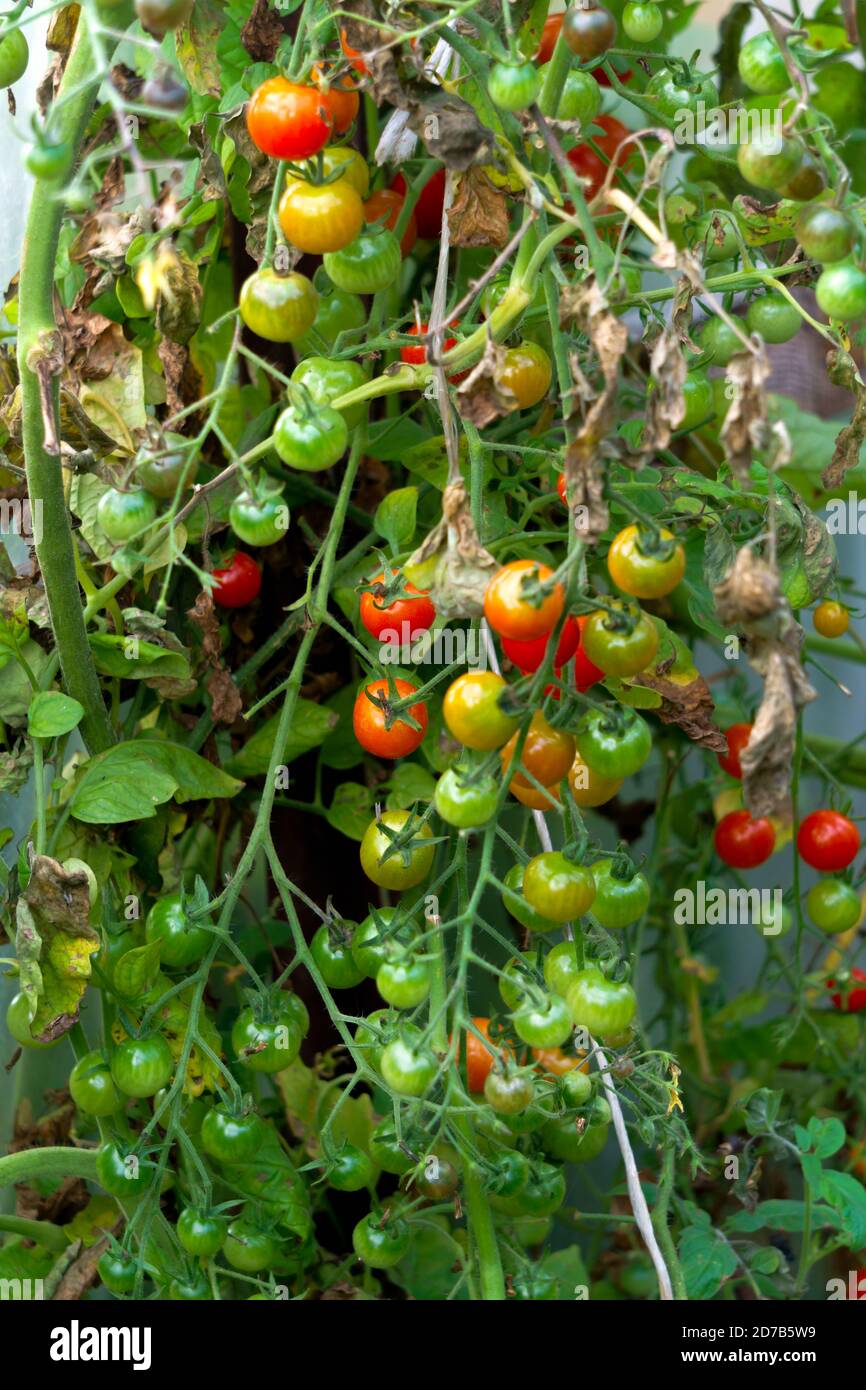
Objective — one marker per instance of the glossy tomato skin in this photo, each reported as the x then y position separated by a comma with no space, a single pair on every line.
92,1087
311,440
561,966
340,97
642,21
479,1059
247,1248
351,1169
508,1093
472,710
161,474
513,86
405,617
405,869
590,787
385,206
549,35
526,372
547,753
287,120
543,1022
562,1140
831,619
828,841
259,521
593,167
428,209
613,747
278,308
237,583
372,947
744,843
841,292
673,97
159,17
200,1233
386,1152
123,515
407,1066
557,888
337,312
529,654
142,1066
604,1007
618,901
589,30
121,1173
319,218
826,234
638,572
513,610
331,949
768,161
270,1044
18,1023
417,356
833,905
616,649
403,981
516,903
328,379
581,98
463,803
369,721
14,54
182,941
851,998
117,1272
586,673
380,1246
231,1138
738,736
368,264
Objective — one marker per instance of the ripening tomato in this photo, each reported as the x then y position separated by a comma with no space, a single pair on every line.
621,641
831,619
586,673
521,603
237,583
321,217
592,166
464,801
278,308
370,720
528,655
825,233
828,841
526,372
559,889
417,356
645,566
588,29
385,206
340,97
851,999
833,905
589,787
411,612
744,843
479,1059
288,120
549,36
547,754
353,55
409,864
473,711
738,736
428,209
769,161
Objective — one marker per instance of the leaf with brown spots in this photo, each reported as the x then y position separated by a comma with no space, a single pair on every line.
478,215
745,425
482,398
262,32
226,700
842,370
451,561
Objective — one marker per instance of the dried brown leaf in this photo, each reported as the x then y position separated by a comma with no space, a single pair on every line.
61,29
842,370
461,566
583,467
690,707
262,32
478,215
481,398
745,425
450,129
226,699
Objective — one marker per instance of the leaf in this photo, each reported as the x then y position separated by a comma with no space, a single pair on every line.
568,1268
130,780
51,713
311,724
395,517
847,1196
351,810
341,750
478,216
823,1137
16,691
130,658
196,47
706,1261
84,496
390,440
763,1110
427,1270
777,1216
136,971
409,783
54,942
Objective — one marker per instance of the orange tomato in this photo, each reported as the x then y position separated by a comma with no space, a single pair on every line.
511,613
555,1062
479,1059
386,205
340,97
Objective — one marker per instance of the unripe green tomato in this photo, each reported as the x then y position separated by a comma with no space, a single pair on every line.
721,341
260,520
642,22
833,905
50,163
338,312
92,1088
465,804
513,86
774,318
123,515
14,54
581,98
698,395
577,1086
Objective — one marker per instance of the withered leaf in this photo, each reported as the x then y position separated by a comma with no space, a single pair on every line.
183,384
226,700
59,897
178,307
690,707
583,468
262,32
482,398
381,63
478,215
61,29
450,129
105,237
842,370
745,425
461,566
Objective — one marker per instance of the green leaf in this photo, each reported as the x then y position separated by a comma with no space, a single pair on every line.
136,971
351,810
777,1216
635,696
311,725
51,713
427,1271
131,658
847,1196
389,440
341,750
763,1110
16,692
719,552
395,517
823,1137
130,780
569,1270
409,782
706,1260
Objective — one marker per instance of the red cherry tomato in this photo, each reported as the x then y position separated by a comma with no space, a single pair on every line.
385,206
370,723
828,841
405,616
238,582
417,356
738,736
428,209
586,673
591,166
560,487
528,656
287,120
850,1000
742,842
549,35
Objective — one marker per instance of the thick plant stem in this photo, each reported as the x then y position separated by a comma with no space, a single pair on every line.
47,1163
37,347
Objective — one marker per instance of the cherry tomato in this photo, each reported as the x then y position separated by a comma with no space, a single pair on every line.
404,981
514,86
417,356
619,901
231,1138
826,234
340,97
473,712
639,569
407,615
380,1245
605,1007
589,787
528,655
350,162
123,515
428,209
237,583
509,1093
521,603
408,1067
370,720
92,1087
615,745
117,1272
586,673
142,1066
773,318
673,96
386,1151
580,99
831,619
182,941
50,163
159,17
549,36
543,1194
833,906
561,966
351,1169
121,1173
259,520
744,843
327,380
338,312
371,948
465,803
768,160
14,54
331,949
479,1059
547,755
620,642
558,888
161,473
562,1140
321,217
588,29
515,902
18,1023
200,1232
287,120
403,869
190,1288
738,736
373,1035
270,1042
311,439
642,22
808,182
277,307
828,841
368,264
588,164
841,292
526,372
762,66
249,1249
851,999
385,206
543,1022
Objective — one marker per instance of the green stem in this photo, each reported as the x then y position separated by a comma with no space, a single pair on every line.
36,333
42,1232
661,1227
32,1164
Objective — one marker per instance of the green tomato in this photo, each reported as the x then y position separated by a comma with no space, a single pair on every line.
404,982
351,1169
18,1024
614,746
465,804
201,1233
372,1036
161,473
380,1245
515,903
123,515
715,234
560,966
521,972
514,86
117,1272
762,66
50,163
826,234
507,1174
231,1138
190,1288
370,948
841,292
182,941
642,21
331,949
326,381
535,1286
121,1173
581,97
142,1066
769,161
509,1093
833,905
543,1024
720,341
839,91
562,1140
698,398
385,1148
675,98
577,1087
249,1249
92,1087
311,440
261,520
338,312
618,901
14,54
367,265
559,889
407,1066
268,1042
278,308
543,1194
604,1007
406,868
773,318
